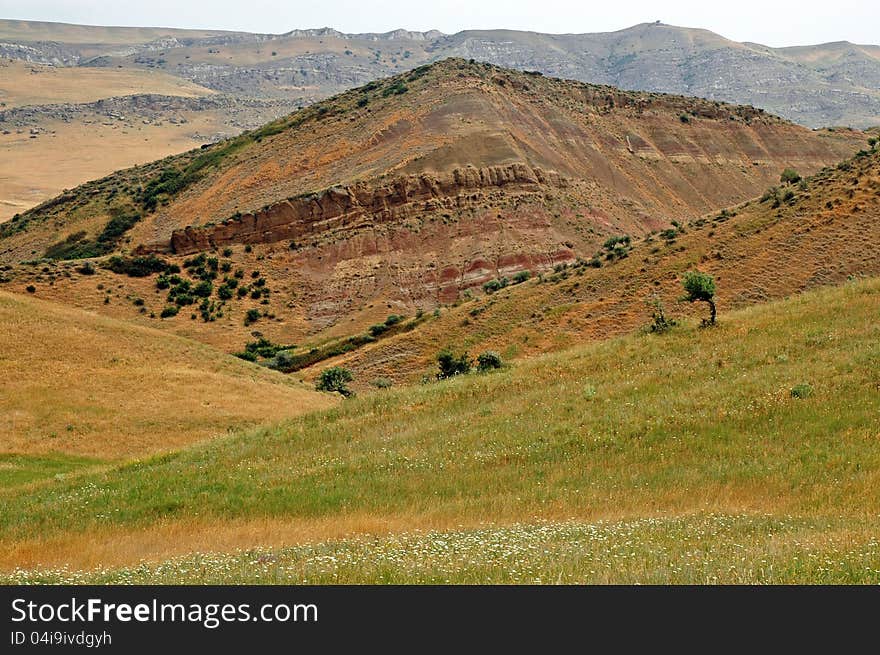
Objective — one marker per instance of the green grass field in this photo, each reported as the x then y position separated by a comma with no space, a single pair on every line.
675,458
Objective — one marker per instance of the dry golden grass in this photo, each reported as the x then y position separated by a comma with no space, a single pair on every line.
33,170
77,383
653,431
22,83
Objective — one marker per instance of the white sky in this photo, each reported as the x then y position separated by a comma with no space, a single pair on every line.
771,22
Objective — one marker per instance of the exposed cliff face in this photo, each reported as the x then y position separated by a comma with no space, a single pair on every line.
341,210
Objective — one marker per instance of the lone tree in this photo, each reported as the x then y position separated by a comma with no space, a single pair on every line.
335,379
700,287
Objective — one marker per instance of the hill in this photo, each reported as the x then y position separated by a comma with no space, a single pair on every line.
78,384
793,238
150,73
411,191
724,455
821,85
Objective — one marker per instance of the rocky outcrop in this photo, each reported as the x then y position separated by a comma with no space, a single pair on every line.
346,208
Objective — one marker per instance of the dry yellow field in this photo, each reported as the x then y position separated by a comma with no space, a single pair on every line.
68,154
22,84
76,383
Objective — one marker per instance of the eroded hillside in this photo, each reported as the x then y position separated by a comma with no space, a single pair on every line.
410,191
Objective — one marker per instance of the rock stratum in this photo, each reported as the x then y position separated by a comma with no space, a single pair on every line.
341,211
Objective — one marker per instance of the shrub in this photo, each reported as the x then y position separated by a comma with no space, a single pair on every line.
789,176
700,287
169,311
86,269
252,316
382,383
659,322
136,266
335,379
378,329
31,288
802,390
450,365
619,240
521,277
398,88
204,289
393,319
488,361
224,292
495,285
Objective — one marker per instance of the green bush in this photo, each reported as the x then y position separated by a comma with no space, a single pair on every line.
521,277
398,88
802,390
335,379
136,266
86,269
378,329
659,321
495,285
252,316
489,361
169,311
450,365
204,289
382,383
789,176
619,240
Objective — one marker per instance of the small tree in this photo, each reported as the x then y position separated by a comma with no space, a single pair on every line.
700,287
335,379
789,176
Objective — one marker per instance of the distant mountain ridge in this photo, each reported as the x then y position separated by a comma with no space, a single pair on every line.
827,84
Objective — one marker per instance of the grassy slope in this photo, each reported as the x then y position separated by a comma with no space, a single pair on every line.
690,444
76,383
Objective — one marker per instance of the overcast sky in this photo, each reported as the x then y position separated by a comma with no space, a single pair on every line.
772,22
